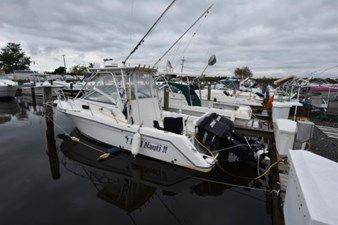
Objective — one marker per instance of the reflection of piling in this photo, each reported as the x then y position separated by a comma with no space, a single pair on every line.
166,98
51,145
33,95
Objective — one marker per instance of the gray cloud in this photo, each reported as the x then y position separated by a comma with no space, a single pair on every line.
271,37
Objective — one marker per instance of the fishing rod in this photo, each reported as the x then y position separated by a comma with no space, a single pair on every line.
205,13
148,32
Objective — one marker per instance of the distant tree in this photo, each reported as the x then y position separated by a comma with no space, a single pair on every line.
79,70
13,58
60,70
243,72
91,65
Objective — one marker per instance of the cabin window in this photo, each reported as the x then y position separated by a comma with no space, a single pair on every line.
143,85
175,89
97,97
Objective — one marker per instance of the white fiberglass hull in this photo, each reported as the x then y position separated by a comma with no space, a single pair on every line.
219,98
157,144
240,115
8,91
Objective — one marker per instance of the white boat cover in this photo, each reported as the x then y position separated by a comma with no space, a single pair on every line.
312,192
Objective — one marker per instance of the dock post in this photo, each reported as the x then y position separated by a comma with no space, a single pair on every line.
277,215
51,145
209,92
33,95
166,99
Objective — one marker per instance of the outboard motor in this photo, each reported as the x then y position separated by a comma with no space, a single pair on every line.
219,135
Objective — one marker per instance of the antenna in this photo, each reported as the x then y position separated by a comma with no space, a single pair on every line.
203,14
148,32
182,64
64,64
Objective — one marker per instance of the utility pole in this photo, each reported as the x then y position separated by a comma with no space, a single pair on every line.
64,63
182,64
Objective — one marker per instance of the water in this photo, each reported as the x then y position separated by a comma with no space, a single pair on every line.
69,186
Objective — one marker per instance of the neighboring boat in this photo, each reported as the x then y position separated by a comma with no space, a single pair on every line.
122,109
311,194
8,88
8,109
233,92
222,98
183,99
325,88
26,88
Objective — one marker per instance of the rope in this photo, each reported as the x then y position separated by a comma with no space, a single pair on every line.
77,140
236,185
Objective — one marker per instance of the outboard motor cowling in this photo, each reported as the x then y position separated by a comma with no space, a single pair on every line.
219,135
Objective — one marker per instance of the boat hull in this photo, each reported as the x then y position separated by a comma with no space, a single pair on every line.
8,91
169,147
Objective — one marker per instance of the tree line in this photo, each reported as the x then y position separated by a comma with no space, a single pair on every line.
12,58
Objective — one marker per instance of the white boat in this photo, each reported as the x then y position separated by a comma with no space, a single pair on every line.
8,88
190,104
8,109
226,97
311,194
121,110
234,91
26,88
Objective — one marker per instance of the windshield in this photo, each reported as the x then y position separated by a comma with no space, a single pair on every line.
104,88
97,97
113,85
142,85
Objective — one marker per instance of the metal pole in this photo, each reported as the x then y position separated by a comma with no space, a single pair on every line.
199,81
209,92
64,64
182,64
295,114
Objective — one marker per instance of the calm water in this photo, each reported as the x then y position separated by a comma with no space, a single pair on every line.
69,186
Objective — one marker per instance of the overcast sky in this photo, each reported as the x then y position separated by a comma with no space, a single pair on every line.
272,37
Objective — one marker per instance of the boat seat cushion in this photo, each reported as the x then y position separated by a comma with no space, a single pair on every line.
174,125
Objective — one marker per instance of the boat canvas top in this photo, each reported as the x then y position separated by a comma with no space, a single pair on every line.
7,82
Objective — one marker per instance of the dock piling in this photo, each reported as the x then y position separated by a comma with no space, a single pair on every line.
166,98
33,95
209,91
51,144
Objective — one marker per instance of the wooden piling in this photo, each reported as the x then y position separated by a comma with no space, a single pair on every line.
33,95
166,99
51,144
209,91
277,213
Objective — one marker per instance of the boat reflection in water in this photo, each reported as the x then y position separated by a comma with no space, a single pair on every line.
8,110
130,182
